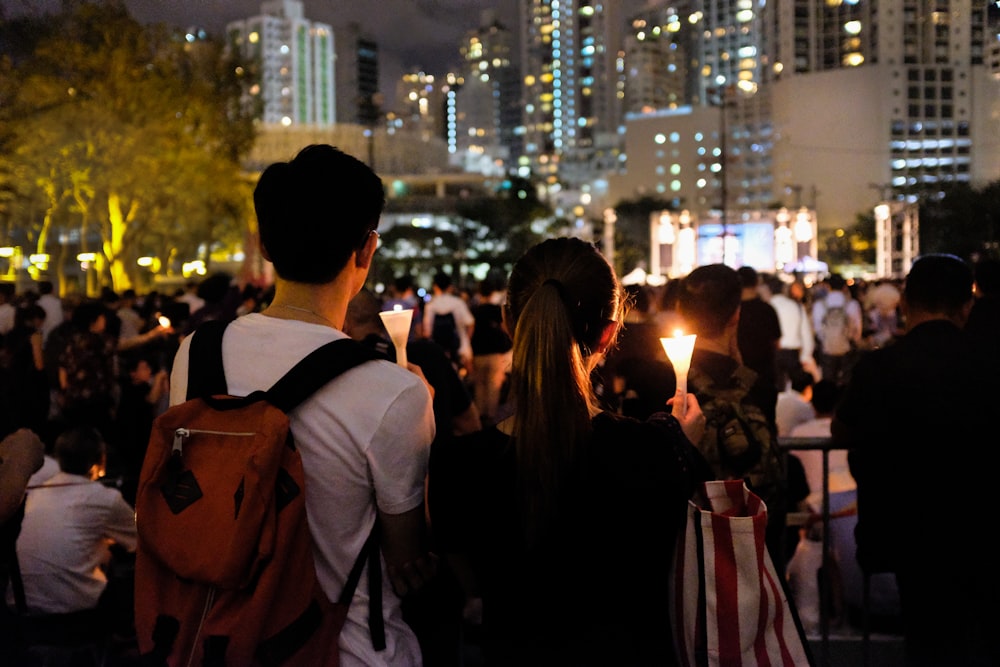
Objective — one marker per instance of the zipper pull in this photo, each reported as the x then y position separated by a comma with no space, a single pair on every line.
179,435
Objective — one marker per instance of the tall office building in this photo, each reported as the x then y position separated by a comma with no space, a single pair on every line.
294,60
657,60
357,74
488,110
420,105
833,104
570,59
897,91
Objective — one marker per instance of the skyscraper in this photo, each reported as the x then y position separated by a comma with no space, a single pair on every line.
892,97
357,77
488,103
569,56
835,103
294,60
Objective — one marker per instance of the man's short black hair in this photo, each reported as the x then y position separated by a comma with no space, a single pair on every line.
938,284
79,449
315,211
748,276
403,283
826,396
801,379
442,280
709,296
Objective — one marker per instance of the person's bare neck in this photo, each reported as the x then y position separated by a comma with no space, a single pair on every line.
326,303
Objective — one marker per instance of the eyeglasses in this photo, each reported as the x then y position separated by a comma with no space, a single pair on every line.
364,240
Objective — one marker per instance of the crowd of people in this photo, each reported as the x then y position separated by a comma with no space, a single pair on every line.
534,457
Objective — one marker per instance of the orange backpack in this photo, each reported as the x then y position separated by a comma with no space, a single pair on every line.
224,570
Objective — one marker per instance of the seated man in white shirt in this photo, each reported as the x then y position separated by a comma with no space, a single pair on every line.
69,523
795,403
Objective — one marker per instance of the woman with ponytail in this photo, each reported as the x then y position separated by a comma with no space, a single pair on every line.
561,520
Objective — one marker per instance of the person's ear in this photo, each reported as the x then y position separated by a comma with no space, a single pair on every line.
363,256
505,320
607,337
734,321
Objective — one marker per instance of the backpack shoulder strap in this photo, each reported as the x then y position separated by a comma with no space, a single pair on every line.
316,369
206,375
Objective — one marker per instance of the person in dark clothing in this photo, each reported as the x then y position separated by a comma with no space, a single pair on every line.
141,392
984,318
918,418
759,331
637,368
491,351
744,447
563,504
87,381
26,388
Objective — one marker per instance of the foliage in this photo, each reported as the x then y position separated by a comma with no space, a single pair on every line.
853,246
127,137
632,230
492,228
964,222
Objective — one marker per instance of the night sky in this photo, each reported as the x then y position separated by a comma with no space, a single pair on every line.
411,34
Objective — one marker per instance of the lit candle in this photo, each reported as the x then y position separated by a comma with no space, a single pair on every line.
679,349
397,323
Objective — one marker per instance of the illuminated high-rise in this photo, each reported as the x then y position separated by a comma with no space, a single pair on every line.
569,59
833,104
294,61
889,100
488,109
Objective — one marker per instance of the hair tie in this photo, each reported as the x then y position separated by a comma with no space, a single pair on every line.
561,289
572,309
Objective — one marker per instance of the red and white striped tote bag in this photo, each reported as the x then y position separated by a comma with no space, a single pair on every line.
730,609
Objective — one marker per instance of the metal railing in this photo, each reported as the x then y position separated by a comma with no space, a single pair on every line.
825,445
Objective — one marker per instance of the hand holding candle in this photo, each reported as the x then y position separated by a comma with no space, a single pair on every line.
679,348
397,324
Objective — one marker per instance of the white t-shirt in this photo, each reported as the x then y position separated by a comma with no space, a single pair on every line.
63,542
796,327
52,305
364,439
449,303
840,478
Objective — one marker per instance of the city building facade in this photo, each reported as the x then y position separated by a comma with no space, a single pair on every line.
294,60
832,105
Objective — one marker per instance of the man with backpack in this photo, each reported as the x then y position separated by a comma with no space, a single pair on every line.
837,321
740,440
449,322
363,438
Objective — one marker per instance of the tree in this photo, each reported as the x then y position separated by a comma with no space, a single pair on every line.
965,221
632,230
853,246
509,216
130,135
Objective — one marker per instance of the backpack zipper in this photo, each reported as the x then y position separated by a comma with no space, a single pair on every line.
209,599
181,433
